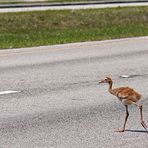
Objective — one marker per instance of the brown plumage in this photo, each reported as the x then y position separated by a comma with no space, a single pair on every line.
127,96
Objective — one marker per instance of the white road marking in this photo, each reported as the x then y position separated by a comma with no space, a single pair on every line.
91,6
125,76
8,92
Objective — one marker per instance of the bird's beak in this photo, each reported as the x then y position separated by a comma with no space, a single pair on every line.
101,81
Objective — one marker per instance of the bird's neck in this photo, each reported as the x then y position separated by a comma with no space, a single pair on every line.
110,87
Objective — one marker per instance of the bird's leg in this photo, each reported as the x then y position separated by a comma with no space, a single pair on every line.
141,117
126,117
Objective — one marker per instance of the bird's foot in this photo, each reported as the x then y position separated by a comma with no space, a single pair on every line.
144,125
120,130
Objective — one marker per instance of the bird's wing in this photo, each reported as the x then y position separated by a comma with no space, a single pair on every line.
124,92
127,93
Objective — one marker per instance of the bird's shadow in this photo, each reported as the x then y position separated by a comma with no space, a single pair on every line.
138,131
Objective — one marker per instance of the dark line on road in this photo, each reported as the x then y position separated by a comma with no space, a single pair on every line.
46,4
75,61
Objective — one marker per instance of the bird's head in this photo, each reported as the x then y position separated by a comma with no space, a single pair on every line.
108,80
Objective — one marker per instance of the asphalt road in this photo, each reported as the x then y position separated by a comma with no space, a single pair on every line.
58,102
60,6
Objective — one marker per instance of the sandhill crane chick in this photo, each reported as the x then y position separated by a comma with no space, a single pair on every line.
127,96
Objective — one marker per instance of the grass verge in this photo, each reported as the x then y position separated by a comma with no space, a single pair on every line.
27,29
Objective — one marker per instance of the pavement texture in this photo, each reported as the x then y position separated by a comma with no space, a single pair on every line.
58,102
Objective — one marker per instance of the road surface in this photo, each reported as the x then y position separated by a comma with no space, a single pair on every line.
50,96
66,6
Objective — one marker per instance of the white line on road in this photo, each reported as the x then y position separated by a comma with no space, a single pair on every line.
91,6
8,92
125,76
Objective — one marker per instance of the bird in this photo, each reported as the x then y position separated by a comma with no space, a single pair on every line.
127,96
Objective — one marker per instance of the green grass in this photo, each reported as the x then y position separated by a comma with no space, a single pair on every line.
65,26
